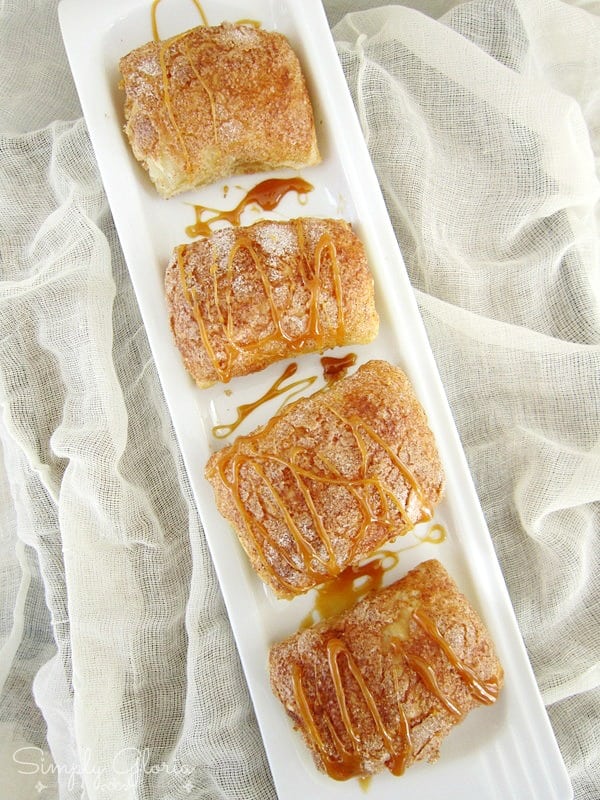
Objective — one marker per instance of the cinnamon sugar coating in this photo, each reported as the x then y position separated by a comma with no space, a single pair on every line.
397,715
329,479
216,101
246,297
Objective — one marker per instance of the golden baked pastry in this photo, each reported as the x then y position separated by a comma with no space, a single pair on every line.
382,684
329,479
216,101
244,298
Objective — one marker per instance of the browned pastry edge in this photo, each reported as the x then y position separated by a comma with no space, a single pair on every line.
216,101
407,720
329,479
246,297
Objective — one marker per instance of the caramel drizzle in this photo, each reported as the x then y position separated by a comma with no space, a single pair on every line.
485,692
209,94
191,299
275,390
245,21
255,23
267,194
344,763
168,103
336,648
223,297
335,368
305,549
163,46
374,500
435,535
427,674
153,9
355,424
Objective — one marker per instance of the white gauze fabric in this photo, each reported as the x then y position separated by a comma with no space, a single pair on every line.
119,676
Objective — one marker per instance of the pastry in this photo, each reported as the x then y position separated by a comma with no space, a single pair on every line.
382,684
244,298
329,479
216,101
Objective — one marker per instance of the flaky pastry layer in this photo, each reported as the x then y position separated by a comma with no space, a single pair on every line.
329,479
216,101
246,297
381,685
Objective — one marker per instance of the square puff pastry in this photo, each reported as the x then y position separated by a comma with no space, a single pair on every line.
381,685
246,297
329,479
216,101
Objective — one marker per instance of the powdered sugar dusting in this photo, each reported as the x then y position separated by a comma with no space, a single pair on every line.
276,239
240,35
149,65
221,244
230,130
313,231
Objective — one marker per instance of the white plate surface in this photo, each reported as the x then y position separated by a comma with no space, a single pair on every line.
506,751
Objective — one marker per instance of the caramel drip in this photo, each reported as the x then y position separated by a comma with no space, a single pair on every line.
361,488
485,692
353,583
223,298
343,763
336,368
435,535
267,194
350,586
155,33
278,388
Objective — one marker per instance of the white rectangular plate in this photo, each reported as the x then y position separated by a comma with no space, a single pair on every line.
504,751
